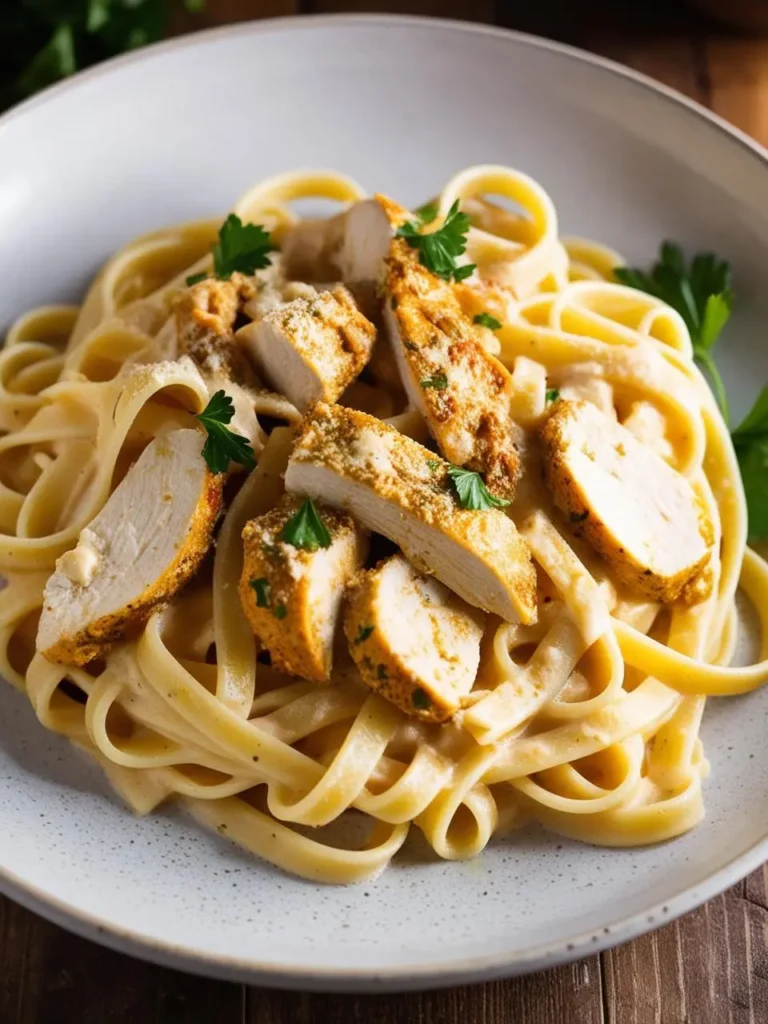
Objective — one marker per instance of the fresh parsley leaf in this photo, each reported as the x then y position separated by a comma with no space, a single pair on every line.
701,294
362,634
750,439
261,586
306,530
421,699
439,250
486,320
471,490
241,247
552,395
426,213
196,278
753,463
223,446
438,381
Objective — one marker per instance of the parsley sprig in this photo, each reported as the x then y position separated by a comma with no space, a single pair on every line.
241,247
439,250
306,530
701,294
471,490
223,445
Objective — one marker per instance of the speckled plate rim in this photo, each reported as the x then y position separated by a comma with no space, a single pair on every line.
416,976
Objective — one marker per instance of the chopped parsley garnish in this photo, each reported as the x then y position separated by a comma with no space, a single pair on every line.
701,294
439,250
306,530
551,396
382,673
362,634
223,445
196,278
471,490
261,586
486,320
438,381
421,700
434,464
241,247
280,611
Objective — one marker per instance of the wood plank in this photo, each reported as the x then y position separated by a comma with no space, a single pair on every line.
51,977
566,995
738,79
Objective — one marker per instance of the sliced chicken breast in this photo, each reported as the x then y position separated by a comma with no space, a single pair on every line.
310,350
140,550
396,487
413,640
464,393
292,597
273,287
638,512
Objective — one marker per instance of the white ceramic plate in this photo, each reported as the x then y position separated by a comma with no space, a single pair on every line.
181,130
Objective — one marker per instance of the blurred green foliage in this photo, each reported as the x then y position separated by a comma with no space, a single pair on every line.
43,41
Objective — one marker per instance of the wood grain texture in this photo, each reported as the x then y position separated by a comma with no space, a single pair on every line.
710,967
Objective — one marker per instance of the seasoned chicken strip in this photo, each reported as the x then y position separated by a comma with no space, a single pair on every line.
638,512
396,487
463,392
292,597
140,550
310,350
413,640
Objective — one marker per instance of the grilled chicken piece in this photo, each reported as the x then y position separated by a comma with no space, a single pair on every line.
292,597
463,392
413,640
205,318
140,550
638,512
396,487
310,350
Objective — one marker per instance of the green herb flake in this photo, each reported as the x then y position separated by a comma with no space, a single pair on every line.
426,213
381,673
242,248
551,396
438,381
223,445
196,278
440,250
421,700
486,320
280,611
471,490
434,465
261,587
362,634
578,517
306,530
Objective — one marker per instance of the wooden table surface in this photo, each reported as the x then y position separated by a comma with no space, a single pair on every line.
710,967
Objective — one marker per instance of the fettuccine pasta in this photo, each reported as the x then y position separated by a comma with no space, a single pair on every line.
585,720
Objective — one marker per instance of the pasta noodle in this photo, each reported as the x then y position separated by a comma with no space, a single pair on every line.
586,722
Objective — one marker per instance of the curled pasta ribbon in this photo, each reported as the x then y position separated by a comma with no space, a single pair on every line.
523,270
268,199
